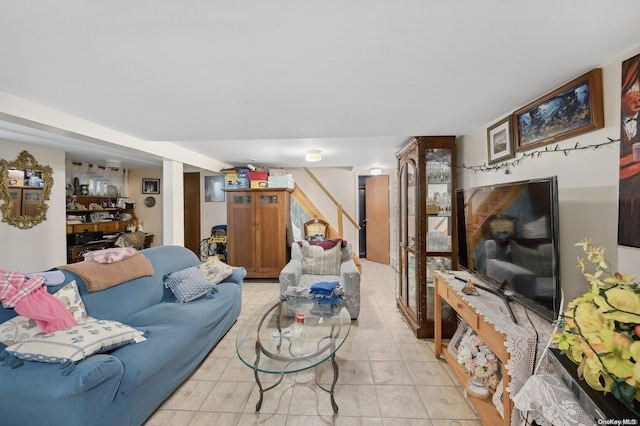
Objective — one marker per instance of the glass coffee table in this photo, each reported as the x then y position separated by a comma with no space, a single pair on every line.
275,342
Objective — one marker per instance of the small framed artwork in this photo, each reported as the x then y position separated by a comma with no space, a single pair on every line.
213,189
463,330
568,111
150,186
500,141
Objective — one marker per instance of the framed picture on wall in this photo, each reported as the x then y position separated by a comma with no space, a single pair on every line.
629,165
150,186
213,186
500,141
570,110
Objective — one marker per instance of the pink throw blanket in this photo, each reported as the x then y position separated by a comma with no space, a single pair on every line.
29,297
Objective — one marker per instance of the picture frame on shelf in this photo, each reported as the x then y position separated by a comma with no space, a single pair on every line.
500,141
150,186
570,110
463,330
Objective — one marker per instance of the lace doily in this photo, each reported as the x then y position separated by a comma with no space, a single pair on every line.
548,401
520,338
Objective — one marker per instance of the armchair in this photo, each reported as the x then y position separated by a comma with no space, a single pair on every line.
295,281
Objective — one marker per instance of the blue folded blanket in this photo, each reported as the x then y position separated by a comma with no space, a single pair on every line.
324,287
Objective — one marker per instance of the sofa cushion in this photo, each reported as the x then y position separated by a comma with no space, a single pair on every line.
173,339
189,284
20,328
76,343
318,261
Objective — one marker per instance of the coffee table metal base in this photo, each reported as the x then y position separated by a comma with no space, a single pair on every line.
269,348
336,373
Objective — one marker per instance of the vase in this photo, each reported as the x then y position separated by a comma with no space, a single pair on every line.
477,387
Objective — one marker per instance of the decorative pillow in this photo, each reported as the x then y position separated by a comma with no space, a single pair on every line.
214,270
20,328
110,255
70,297
76,343
318,261
188,284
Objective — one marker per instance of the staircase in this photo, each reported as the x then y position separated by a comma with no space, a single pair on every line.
495,203
309,208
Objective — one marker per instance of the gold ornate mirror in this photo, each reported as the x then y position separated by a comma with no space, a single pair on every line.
25,187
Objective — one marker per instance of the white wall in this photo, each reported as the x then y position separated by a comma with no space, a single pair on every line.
587,181
151,216
45,245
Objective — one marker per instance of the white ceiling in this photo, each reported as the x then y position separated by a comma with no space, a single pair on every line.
262,81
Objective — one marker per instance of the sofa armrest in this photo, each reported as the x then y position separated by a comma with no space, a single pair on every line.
350,282
290,275
237,276
69,400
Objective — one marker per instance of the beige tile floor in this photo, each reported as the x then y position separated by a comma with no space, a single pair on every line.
387,376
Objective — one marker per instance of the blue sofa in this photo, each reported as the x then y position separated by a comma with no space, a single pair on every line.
126,386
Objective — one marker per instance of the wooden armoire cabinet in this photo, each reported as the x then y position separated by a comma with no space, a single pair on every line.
426,229
258,221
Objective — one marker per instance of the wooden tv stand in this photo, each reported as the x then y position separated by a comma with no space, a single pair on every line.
499,334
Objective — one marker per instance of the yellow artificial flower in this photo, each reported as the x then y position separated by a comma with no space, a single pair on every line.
592,373
590,320
625,304
619,278
634,349
564,340
585,243
599,327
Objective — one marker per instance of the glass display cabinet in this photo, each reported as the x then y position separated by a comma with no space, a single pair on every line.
426,229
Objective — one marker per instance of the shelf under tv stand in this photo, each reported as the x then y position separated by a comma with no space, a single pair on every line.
483,313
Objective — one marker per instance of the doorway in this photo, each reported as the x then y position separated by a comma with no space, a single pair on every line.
373,201
191,206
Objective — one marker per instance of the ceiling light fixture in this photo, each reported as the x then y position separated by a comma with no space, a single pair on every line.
113,164
313,155
376,171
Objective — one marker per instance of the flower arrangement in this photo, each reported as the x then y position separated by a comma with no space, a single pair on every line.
601,330
476,357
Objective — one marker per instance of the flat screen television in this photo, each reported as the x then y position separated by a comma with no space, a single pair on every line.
508,237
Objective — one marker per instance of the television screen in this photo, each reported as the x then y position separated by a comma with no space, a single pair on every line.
508,236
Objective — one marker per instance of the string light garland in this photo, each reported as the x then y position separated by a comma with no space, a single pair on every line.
531,154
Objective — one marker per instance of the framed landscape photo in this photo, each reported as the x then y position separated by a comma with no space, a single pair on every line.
568,111
500,141
150,186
